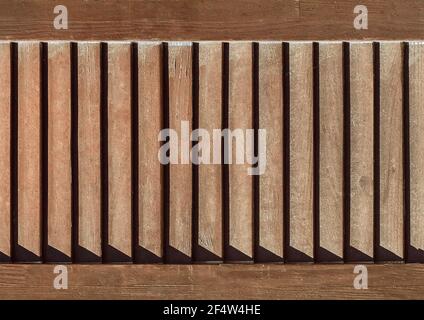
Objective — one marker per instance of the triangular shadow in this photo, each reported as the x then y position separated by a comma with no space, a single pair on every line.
415,255
24,255
175,256
294,255
236,256
384,255
325,256
113,255
142,255
84,255
354,255
264,255
54,255
204,255
4,258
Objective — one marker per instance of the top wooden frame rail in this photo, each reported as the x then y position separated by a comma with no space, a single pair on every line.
212,20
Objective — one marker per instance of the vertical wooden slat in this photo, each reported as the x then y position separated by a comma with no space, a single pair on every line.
301,152
59,153
390,246
180,110
416,145
210,175
5,83
240,183
361,152
119,153
271,181
29,156
330,246
150,245
89,181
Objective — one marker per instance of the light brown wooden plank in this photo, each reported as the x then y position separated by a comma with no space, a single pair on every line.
210,239
5,253
59,201
361,152
29,155
301,152
240,183
150,186
416,152
271,181
180,110
89,182
119,153
390,246
330,246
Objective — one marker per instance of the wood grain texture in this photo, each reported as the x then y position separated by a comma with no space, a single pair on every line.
331,133
361,152
119,241
180,116
240,118
391,244
301,153
416,151
150,195
89,247
271,182
59,199
214,282
206,20
5,112
210,175
29,153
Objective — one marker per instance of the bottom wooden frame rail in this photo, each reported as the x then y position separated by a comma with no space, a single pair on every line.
226,281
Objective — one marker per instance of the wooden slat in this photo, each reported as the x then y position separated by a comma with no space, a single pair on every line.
240,183
361,152
29,155
59,200
89,181
390,246
416,145
180,109
210,241
119,153
5,108
330,246
301,152
150,244
271,182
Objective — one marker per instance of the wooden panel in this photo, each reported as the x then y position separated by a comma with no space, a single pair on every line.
5,108
150,186
180,116
217,20
301,152
89,183
240,183
59,153
330,246
29,156
416,145
119,153
214,282
210,175
361,152
271,181
390,246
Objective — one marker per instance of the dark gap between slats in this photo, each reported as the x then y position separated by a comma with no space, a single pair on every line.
47,254
13,150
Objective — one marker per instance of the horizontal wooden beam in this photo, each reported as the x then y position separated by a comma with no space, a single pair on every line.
231,281
212,20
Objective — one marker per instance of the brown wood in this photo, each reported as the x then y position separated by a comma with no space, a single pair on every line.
5,111
391,245
119,248
361,219
59,201
271,182
416,153
89,182
29,153
240,246
212,282
180,109
301,242
150,199
210,175
217,20
330,152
